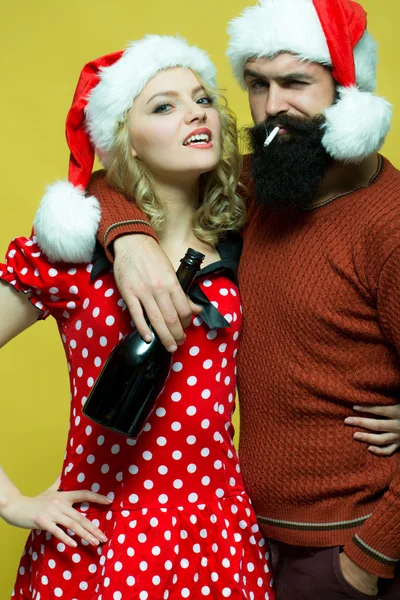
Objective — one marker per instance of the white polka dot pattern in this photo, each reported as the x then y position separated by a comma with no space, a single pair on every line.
179,505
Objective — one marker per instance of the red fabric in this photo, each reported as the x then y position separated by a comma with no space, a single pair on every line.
343,23
82,152
181,524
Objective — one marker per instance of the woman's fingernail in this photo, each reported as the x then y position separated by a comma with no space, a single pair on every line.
349,421
103,538
358,436
94,542
74,544
109,501
148,338
357,408
172,348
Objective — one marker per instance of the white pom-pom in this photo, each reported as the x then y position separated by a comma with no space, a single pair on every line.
66,223
356,125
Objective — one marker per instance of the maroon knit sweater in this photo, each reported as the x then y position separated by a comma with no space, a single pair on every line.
321,304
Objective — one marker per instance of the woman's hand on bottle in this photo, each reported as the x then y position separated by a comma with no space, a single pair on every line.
53,511
147,281
383,434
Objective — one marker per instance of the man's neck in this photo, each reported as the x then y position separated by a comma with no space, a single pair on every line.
342,178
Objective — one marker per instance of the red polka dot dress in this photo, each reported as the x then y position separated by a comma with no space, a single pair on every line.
181,524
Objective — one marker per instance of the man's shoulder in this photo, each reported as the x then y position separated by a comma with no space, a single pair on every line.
382,195
378,213
386,186
390,171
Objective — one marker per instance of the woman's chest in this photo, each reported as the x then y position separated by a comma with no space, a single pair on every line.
100,319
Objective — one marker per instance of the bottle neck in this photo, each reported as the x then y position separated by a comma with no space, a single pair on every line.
188,269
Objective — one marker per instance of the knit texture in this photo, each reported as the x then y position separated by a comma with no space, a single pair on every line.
119,216
321,305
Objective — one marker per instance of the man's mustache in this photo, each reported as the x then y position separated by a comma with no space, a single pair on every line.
298,128
291,123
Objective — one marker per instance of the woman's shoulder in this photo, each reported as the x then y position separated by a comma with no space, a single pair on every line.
57,287
230,245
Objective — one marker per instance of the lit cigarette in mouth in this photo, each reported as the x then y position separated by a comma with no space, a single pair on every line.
271,137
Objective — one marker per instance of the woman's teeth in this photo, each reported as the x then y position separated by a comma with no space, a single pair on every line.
200,138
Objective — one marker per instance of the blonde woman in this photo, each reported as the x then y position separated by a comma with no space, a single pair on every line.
164,515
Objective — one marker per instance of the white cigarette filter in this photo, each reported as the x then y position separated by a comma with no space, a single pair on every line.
271,137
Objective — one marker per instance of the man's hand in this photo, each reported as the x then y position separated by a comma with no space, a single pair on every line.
147,281
385,439
358,578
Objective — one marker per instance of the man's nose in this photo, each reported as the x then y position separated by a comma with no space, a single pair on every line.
276,102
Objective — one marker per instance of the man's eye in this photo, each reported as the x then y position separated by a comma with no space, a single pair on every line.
205,100
259,84
162,108
296,83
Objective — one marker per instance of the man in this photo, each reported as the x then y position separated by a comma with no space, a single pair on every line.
320,282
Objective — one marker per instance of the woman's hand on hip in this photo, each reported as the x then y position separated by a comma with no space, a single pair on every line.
53,511
383,434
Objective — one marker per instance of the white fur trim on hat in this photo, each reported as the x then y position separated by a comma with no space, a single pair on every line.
365,59
66,223
356,125
275,26
122,82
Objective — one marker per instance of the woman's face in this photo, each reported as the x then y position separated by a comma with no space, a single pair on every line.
173,126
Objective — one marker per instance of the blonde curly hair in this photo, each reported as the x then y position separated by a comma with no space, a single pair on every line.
221,208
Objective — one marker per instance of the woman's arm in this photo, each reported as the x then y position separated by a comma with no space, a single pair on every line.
16,313
52,509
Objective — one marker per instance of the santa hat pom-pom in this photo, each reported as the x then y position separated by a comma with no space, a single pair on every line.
356,125
66,223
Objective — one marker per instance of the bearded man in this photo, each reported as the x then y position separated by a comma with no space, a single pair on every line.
320,283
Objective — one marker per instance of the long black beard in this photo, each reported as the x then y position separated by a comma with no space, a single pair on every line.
288,173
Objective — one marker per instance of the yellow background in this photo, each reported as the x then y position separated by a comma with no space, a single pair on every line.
43,46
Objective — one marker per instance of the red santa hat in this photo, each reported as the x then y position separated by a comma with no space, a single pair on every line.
66,222
332,33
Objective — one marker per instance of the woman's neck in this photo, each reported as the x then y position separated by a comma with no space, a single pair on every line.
180,201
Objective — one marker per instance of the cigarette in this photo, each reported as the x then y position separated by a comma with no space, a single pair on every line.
271,137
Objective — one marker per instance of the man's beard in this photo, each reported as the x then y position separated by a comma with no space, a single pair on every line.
288,173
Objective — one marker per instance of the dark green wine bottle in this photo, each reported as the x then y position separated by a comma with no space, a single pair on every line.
134,374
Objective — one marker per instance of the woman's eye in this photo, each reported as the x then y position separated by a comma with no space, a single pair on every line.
162,108
205,100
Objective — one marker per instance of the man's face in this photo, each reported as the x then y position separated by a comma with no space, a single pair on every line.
287,85
291,94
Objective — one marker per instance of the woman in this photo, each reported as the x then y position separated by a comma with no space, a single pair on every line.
164,515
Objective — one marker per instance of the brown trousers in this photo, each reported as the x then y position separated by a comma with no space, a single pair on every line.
314,574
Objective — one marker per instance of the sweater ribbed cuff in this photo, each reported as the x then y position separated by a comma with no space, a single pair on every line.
124,228
376,545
